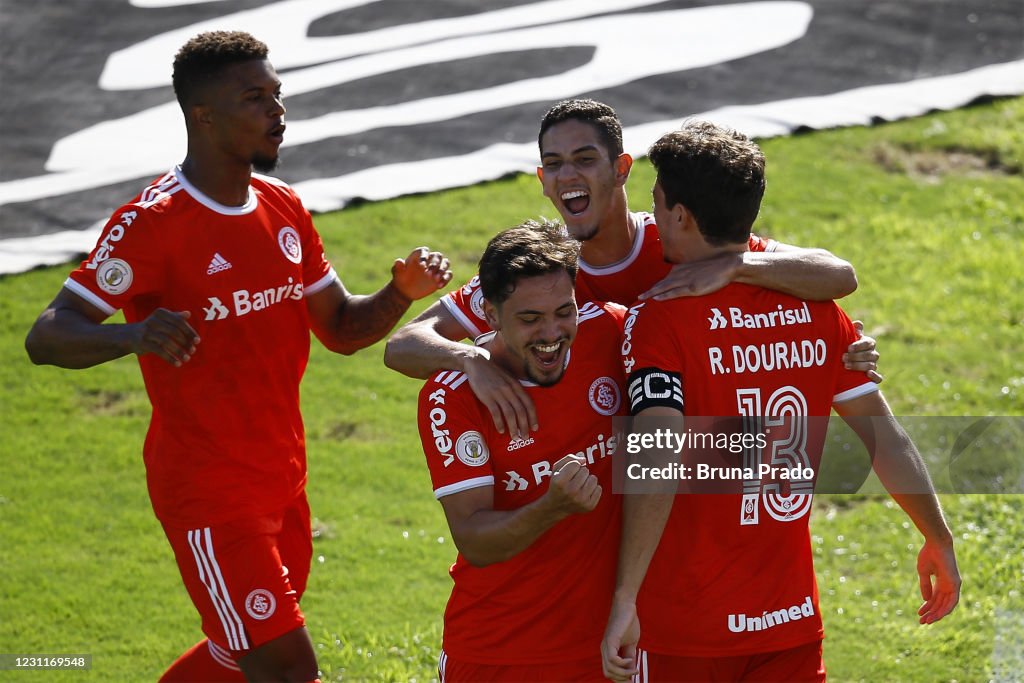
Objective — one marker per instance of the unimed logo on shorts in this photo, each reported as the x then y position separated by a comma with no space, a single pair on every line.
260,604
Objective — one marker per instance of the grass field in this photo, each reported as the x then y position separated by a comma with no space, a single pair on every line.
928,210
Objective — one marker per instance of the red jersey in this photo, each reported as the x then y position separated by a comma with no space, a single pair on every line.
733,574
622,282
548,603
226,438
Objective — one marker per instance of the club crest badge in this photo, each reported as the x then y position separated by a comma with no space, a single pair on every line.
290,244
260,604
604,396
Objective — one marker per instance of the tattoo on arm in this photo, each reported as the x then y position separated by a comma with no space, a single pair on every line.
366,319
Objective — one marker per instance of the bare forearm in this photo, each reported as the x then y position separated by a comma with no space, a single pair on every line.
643,521
418,350
491,536
66,339
366,319
813,274
904,475
926,513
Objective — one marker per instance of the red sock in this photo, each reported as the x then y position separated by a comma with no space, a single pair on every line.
200,665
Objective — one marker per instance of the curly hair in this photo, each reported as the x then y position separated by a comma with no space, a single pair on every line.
530,249
203,57
597,114
715,172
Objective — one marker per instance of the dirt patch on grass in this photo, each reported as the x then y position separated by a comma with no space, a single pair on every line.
931,165
340,431
103,402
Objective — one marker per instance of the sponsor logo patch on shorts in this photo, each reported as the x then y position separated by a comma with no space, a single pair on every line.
260,604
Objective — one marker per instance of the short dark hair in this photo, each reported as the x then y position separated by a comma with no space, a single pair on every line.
715,172
203,57
597,114
530,249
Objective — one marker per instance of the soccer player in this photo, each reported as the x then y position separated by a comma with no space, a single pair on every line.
221,276
730,593
583,172
533,519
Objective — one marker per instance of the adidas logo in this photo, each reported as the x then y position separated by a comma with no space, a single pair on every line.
217,264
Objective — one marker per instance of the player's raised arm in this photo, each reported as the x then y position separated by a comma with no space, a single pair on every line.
430,343
70,333
813,274
901,470
346,322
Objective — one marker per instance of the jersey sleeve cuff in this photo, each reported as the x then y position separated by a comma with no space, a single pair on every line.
856,392
463,485
84,292
320,284
472,330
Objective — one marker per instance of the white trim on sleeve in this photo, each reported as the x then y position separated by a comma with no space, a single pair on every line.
84,292
856,392
321,284
467,324
463,485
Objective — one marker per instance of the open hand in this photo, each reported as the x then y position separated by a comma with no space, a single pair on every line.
504,397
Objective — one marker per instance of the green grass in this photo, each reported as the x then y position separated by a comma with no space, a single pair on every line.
934,238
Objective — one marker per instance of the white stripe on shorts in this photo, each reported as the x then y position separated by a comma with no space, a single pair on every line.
442,661
209,574
641,670
221,656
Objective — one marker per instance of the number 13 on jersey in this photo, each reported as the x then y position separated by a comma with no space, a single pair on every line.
783,417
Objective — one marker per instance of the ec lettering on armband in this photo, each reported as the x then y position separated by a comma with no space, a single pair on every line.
650,387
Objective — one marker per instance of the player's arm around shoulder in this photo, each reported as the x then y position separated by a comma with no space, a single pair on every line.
485,536
346,323
430,342
808,273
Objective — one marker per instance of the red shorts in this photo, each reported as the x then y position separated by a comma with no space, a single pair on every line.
246,576
802,663
585,671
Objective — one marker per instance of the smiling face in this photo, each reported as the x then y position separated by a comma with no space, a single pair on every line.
536,325
243,113
579,176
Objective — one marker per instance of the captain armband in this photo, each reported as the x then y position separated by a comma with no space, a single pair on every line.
650,387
